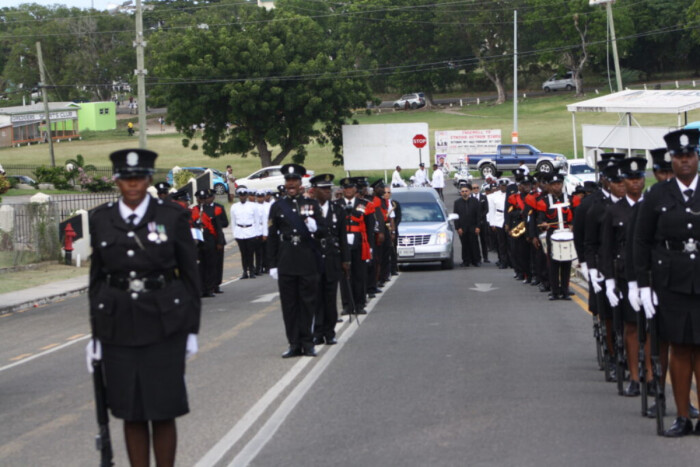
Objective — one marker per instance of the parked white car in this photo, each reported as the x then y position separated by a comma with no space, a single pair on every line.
269,177
577,172
556,82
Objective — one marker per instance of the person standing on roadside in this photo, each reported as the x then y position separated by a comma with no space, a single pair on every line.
231,181
144,298
438,181
396,180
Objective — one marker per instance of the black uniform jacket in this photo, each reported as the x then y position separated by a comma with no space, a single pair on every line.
666,240
580,222
611,256
358,211
469,212
484,206
592,237
127,317
287,249
334,247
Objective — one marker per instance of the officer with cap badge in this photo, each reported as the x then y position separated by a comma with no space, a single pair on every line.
295,225
162,189
382,237
667,263
144,308
336,260
244,222
207,221
360,226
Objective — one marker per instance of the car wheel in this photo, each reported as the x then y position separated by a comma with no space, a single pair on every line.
220,189
569,87
448,263
397,107
546,89
487,170
414,106
545,167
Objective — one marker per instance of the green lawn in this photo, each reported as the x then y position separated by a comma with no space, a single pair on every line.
543,122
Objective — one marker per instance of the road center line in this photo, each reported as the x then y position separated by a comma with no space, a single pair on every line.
41,354
268,430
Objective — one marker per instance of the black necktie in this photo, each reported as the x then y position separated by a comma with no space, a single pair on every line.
131,220
688,193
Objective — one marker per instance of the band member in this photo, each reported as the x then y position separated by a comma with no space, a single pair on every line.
208,263
336,260
144,308
666,256
295,261
548,219
217,212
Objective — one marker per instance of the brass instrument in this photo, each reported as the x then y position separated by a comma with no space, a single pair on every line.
518,230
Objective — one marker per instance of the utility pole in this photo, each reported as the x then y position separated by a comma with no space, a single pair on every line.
616,59
140,73
514,135
45,96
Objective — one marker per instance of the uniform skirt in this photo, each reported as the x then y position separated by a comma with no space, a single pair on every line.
679,317
146,382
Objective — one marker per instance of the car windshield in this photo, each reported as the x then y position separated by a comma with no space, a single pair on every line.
421,212
580,169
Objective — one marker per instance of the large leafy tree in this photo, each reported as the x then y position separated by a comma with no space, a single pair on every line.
259,81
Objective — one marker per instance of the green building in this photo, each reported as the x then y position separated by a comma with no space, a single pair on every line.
97,116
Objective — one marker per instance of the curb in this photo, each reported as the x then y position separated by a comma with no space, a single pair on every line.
41,301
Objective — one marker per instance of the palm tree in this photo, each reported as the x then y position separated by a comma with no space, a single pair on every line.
78,163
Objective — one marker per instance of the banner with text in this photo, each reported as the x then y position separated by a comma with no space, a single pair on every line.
453,147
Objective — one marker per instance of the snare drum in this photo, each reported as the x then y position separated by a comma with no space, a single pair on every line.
563,246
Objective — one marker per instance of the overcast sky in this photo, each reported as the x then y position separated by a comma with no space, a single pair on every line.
98,4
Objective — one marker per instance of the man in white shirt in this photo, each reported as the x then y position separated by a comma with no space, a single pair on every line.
421,176
244,225
260,258
396,180
495,218
438,181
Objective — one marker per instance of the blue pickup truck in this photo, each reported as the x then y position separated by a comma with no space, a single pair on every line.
509,157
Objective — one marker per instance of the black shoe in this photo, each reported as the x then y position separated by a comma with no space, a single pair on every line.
632,389
535,283
564,297
697,429
486,261
651,389
476,265
394,273
252,275
693,411
651,411
244,276
361,312
331,341
310,352
339,320
552,297
527,280
292,352
318,340
502,267
544,288
218,290
518,277
463,265
681,426
371,295
208,295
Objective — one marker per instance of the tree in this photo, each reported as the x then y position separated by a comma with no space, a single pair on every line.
258,81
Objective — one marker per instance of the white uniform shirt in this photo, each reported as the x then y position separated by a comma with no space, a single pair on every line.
421,177
245,220
497,201
438,179
396,179
263,211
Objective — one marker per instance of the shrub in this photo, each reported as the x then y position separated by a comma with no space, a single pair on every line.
181,178
5,184
94,184
58,176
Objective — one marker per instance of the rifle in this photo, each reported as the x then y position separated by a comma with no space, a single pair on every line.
619,348
642,334
659,396
352,299
103,441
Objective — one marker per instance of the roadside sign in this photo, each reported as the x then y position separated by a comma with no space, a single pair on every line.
420,141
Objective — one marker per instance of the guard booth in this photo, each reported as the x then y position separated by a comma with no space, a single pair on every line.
28,122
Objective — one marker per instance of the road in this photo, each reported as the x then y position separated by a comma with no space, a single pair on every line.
441,372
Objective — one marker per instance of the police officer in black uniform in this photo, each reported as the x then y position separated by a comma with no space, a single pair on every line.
336,260
295,223
667,260
144,307
468,224
208,222
217,212
162,189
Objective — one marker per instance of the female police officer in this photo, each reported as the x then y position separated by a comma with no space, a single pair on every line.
667,259
144,307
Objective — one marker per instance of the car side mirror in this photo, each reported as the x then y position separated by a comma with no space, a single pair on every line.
453,217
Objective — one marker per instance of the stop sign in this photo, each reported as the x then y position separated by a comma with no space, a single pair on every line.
420,141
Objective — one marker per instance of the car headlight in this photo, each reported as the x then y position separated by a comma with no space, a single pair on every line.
441,238
561,158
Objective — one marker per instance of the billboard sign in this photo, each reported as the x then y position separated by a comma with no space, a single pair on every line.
454,146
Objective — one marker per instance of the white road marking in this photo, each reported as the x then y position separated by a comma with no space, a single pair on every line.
268,430
41,354
268,297
483,288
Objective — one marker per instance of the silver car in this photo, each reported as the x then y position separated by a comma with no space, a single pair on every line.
426,232
555,82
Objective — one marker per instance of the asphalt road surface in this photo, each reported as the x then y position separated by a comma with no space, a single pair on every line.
450,368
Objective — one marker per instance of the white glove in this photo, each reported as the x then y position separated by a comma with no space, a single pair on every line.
311,224
93,351
596,278
192,346
274,274
584,269
610,292
633,296
648,299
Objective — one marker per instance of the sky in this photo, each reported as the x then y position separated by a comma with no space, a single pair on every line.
98,4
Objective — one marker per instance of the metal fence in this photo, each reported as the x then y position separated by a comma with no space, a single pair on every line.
28,170
34,236
66,205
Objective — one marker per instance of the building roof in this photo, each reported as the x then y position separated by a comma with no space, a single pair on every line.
34,108
657,102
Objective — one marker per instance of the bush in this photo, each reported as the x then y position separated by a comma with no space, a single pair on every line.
58,176
94,184
5,184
